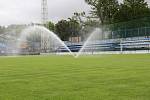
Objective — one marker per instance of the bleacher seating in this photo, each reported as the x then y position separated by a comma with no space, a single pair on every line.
129,44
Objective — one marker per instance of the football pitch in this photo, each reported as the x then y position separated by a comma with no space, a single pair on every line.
100,77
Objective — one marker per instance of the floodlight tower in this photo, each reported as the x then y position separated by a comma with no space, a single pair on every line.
44,11
44,19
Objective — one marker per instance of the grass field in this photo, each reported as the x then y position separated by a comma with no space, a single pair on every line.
107,77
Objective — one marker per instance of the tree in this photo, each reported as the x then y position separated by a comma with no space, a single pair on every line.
78,17
51,26
61,29
122,14
67,28
137,8
132,9
132,14
74,27
104,9
2,29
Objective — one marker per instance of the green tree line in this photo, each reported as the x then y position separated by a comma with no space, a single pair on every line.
114,15
129,14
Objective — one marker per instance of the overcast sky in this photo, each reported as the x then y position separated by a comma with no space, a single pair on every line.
27,11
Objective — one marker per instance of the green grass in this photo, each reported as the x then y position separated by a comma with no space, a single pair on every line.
107,77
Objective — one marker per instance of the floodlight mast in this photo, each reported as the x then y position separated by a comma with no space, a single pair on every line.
44,11
45,46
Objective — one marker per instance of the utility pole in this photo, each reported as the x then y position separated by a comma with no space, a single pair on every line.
121,46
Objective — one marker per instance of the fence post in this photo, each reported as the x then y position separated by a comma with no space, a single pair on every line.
121,46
